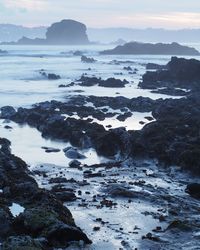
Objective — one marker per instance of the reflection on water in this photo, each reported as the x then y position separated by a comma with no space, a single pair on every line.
27,144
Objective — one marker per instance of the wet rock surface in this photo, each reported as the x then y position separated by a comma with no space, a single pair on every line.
154,66
151,198
49,76
44,222
86,59
179,73
108,83
159,201
174,136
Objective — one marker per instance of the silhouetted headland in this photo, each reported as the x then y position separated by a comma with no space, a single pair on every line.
136,48
66,32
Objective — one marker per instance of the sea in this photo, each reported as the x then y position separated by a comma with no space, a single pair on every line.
22,85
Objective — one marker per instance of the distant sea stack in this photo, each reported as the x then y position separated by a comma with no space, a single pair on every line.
136,48
66,32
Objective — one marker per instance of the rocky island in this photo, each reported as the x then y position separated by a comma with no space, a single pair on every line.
136,48
66,32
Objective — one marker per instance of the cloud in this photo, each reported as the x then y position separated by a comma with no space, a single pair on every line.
28,5
165,19
103,13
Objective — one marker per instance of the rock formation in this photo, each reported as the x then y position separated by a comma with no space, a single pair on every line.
66,32
135,48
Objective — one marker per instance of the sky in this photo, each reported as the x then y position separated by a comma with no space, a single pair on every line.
171,14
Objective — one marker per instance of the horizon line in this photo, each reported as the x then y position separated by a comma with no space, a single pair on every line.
109,27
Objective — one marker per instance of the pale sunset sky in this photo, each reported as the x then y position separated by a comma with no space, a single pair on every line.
172,14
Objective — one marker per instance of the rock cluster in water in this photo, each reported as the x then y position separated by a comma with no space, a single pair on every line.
172,137
178,73
94,81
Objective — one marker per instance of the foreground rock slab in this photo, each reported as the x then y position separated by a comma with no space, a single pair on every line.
43,223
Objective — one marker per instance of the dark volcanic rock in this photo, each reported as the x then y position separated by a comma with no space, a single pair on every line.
45,223
121,191
174,137
73,153
152,66
89,81
6,223
113,83
135,48
53,76
170,91
194,190
51,150
50,76
108,83
124,116
74,164
86,59
180,73
7,111
65,196
24,242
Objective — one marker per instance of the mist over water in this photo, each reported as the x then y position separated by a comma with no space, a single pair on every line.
21,83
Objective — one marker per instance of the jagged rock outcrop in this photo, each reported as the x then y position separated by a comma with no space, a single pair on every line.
43,222
179,73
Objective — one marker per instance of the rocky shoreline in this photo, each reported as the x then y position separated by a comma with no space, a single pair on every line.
172,137
44,223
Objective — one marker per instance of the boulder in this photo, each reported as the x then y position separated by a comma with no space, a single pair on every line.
43,214
74,164
179,73
194,190
86,59
24,242
7,112
108,83
53,77
120,191
73,153
6,223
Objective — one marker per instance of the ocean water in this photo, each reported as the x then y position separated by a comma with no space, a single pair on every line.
22,85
